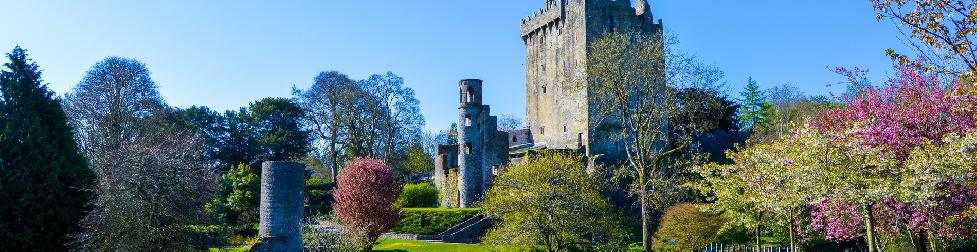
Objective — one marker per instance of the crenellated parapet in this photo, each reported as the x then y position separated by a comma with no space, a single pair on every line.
554,11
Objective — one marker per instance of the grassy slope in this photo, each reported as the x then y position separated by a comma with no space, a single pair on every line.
395,245
230,249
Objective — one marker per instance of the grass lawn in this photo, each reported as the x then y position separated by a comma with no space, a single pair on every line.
230,249
395,245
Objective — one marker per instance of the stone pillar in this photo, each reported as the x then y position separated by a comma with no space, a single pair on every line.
282,206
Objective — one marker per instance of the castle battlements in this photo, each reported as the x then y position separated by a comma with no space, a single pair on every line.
554,11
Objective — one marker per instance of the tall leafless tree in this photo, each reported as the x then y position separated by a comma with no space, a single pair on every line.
149,190
508,122
152,177
376,117
323,102
109,107
653,110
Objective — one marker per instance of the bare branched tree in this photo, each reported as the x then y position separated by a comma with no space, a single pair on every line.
509,122
108,107
152,176
400,119
654,111
324,102
376,117
149,190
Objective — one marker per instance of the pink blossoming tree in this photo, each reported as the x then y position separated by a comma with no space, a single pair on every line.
364,200
920,121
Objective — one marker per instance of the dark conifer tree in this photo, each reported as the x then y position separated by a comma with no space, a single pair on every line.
45,182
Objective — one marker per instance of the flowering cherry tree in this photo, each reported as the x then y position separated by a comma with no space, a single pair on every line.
919,121
364,200
896,160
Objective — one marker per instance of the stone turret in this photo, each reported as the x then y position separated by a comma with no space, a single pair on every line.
481,149
469,139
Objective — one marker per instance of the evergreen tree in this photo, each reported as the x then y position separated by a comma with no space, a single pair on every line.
754,107
278,124
45,182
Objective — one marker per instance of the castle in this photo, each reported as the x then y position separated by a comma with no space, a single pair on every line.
558,108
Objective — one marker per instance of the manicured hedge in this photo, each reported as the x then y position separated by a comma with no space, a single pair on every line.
417,195
429,221
318,196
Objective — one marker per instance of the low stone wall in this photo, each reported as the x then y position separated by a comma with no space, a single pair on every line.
412,237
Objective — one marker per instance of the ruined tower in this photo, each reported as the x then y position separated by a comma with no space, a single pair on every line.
470,175
481,149
558,107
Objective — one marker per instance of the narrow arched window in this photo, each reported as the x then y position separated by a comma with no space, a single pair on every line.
471,94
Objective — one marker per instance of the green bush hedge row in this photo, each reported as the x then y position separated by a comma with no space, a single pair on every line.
417,195
429,221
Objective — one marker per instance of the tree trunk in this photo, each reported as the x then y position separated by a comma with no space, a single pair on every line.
757,243
645,221
931,239
918,239
549,244
870,229
333,155
793,233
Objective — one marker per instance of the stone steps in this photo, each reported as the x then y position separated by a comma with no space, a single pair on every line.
467,231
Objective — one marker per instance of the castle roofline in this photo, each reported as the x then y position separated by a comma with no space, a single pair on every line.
549,14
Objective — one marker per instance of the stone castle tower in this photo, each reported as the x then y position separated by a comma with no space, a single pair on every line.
558,112
463,172
558,107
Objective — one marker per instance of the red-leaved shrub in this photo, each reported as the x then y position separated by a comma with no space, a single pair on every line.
364,200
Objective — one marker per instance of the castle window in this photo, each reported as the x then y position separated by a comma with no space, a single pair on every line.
544,89
468,148
542,130
468,120
580,140
564,129
471,94
612,24
515,139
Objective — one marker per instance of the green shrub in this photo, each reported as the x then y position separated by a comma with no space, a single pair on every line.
684,227
318,196
237,194
417,195
429,221
314,182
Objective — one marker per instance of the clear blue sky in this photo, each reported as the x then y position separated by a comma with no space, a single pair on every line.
225,54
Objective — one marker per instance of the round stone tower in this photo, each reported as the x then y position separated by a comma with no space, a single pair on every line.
281,206
470,141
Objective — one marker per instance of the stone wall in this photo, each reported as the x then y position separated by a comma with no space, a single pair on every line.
281,206
520,137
